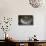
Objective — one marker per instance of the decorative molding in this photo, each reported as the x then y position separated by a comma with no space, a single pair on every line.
35,3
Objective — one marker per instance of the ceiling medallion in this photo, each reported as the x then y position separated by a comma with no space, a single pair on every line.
35,3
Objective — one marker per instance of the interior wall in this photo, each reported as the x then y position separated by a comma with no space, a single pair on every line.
13,8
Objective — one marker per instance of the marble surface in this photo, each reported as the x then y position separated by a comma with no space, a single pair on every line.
42,41
29,41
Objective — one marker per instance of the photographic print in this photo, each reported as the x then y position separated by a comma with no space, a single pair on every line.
25,19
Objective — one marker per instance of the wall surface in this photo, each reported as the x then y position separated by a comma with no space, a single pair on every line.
13,8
